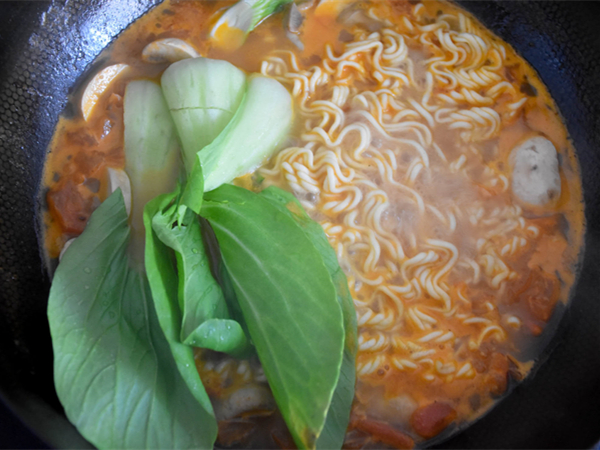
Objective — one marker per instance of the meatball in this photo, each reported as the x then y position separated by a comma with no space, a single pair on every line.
535,175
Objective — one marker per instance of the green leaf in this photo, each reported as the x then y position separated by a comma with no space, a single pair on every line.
203,95
163,279
206,321
221,335
194,189
114,371
224,279
263,9
231,299
244,16
339,412
260,124
338,416
289,303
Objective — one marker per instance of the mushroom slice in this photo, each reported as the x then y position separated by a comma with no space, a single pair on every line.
168,50
294,19
354,16
535,173
118,179
98,86
293,22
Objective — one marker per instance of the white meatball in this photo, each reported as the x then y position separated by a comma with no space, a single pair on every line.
535,176
396,410
244,399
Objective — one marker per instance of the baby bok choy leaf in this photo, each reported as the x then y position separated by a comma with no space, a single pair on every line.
230,31
205,319
152,159
114,371
289,303
259,125
339,412
120,381
203,95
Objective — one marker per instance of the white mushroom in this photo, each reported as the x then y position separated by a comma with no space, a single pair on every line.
293,19
97,86
168,50
293,22
118,179
535,175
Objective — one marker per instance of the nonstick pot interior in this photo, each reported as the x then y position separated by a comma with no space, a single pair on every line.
46,46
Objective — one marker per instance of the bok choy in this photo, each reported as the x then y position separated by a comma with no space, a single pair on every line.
115,374
230,31
339,412
125,329
205,320
203,95
297,326
123,381
261,123
152,159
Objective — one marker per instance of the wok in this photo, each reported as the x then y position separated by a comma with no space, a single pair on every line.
46,46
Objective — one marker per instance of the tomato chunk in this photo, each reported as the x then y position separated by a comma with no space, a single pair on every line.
430,420
498,373
542,295
72,206
384,433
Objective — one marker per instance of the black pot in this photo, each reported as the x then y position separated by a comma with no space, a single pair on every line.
46,46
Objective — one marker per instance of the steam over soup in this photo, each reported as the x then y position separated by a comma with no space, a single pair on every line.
429,152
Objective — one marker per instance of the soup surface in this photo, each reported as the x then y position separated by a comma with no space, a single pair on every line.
409,117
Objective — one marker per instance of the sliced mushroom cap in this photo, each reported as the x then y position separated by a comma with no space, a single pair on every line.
292,23
118,179
168,50
355,16
99,84
535,172
294,19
